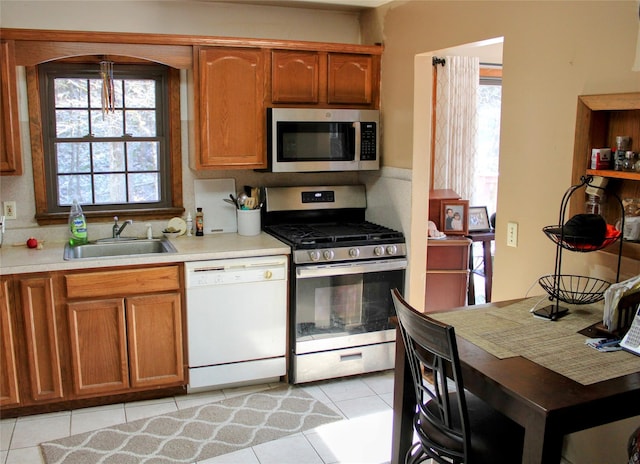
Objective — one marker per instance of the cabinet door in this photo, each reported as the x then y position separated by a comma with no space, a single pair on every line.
445,290
351,78
295,76
41,337
98,346
10,152
9,374
154,328
232,112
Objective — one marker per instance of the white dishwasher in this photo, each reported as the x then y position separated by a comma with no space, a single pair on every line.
236,321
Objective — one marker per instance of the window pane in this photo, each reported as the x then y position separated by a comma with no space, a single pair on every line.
74,187
106,124
140,93
70,93
143,156
141,123
71,123
108,156
96,93
144,188
73,157
110,188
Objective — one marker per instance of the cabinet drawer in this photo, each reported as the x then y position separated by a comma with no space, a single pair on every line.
451,257
127,281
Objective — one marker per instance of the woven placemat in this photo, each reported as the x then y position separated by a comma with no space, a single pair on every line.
512,330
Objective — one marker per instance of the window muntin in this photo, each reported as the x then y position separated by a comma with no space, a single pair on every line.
107,161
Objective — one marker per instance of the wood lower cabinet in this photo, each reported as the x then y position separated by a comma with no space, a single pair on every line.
447,273
41,337
131,342
98,336
154,328
90,337
9,394
232,116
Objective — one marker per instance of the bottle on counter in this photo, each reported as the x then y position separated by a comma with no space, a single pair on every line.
77,225
199,222
189,225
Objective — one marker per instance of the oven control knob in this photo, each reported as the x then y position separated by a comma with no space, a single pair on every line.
392,249
354,252
314,255
328,254
378,251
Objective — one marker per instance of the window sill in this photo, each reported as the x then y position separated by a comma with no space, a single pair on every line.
47,219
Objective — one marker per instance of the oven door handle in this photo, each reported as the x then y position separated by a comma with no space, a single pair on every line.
330,270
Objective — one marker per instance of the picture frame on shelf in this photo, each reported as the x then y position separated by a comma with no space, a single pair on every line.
454,217
479,219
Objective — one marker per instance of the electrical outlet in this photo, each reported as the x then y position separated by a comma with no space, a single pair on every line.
512,234
9,209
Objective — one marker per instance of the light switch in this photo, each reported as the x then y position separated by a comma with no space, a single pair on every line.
512,234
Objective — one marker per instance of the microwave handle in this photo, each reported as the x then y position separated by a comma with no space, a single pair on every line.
357,125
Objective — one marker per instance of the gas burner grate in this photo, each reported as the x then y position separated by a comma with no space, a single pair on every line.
308,234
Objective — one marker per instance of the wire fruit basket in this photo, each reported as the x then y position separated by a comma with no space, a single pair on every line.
574,289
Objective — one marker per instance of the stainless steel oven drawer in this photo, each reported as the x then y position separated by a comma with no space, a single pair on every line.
343,362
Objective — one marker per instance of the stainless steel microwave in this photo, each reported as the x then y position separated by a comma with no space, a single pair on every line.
317,140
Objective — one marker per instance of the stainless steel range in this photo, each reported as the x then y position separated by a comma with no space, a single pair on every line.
342,271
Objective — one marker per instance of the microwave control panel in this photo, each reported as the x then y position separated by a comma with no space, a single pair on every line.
368,141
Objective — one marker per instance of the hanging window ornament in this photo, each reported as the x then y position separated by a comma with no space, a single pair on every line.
108,97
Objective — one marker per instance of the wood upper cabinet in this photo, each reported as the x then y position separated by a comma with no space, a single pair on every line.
351,78
10,150
9,393
232,117
317,77
41,337
295,76
125,330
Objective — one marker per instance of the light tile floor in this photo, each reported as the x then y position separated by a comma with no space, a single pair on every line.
363,437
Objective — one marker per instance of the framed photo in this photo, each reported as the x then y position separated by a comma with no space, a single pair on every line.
479,219
454,217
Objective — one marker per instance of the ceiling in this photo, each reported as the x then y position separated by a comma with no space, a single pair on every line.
353,5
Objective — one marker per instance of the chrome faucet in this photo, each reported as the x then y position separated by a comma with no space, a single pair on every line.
117,230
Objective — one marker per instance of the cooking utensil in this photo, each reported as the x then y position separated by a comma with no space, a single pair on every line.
242,197
231,202
249,203
235,200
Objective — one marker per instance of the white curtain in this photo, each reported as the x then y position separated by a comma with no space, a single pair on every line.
456,124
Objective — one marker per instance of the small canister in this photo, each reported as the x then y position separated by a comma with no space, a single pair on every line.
601,158
623,143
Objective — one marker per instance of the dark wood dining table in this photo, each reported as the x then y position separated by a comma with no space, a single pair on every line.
547,404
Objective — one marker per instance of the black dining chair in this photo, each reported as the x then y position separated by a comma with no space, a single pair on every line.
453,425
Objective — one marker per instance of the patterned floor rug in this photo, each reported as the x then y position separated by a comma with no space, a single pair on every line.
196,433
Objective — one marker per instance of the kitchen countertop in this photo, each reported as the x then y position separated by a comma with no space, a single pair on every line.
21,260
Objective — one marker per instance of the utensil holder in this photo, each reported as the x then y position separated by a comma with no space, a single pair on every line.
248,221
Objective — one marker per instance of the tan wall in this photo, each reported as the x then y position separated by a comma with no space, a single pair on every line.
553,52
